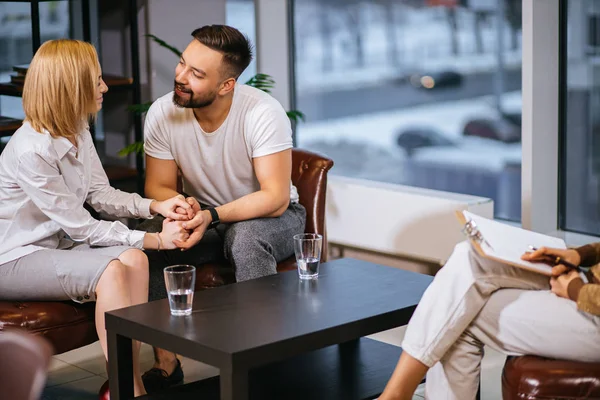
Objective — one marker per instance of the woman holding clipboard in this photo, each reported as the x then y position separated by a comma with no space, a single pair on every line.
475,301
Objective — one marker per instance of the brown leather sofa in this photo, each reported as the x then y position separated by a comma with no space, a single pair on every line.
536,378
68,325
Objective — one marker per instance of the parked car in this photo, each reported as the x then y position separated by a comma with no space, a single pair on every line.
498,129
418,137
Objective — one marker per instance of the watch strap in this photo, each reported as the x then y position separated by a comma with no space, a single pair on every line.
215,217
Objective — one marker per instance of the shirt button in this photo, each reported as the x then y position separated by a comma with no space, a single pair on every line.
79,298
86,297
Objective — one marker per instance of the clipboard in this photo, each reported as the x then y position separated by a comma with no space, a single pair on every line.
505,243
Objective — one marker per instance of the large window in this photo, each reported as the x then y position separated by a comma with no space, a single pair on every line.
418,92
580,122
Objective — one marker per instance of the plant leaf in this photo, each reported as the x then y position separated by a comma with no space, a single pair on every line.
296,115
262,82
164,44
139,108
135,148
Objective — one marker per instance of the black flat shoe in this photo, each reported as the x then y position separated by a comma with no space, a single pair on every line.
156,379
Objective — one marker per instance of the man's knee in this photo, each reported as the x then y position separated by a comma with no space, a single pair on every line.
242,239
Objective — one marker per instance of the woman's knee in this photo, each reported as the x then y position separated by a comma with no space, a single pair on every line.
461,261
114,274
135,258
460,255
463,247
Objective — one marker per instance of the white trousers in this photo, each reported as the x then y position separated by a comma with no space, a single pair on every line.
474,302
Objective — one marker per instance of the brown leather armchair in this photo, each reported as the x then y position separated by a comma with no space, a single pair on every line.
23,365
309,175
68,325
533,378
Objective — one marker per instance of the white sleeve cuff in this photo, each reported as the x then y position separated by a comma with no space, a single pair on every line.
144,209
136,239
161,155
271,150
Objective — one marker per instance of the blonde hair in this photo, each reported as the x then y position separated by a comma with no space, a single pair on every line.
59,94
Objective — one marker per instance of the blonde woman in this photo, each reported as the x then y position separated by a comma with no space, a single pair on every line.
51,248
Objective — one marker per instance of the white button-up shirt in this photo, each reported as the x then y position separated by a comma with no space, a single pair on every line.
44,183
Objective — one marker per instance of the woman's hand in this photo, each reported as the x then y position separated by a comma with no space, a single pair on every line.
195,207
172,231
549,255
560,285
169,208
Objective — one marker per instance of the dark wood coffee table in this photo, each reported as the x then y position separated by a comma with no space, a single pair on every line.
278,337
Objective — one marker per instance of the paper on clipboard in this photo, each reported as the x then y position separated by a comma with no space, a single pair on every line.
505,243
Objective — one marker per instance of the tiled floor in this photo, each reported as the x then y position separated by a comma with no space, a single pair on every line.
77,375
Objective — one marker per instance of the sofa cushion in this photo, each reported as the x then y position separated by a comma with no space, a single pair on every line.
531,377
67,325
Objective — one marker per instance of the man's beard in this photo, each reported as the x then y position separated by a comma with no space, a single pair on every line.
192,102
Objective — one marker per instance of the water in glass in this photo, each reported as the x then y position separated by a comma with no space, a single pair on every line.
180,301
308,267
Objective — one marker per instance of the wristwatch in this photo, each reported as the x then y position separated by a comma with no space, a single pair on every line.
215,217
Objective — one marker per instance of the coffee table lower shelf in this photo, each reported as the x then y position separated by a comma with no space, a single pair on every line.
356,370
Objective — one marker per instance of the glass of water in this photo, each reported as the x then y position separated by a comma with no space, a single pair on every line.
307,247
180,281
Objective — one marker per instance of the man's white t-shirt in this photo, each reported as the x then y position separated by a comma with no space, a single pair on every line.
217,166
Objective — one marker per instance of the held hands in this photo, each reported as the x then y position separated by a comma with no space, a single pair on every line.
192,203
175,208
197,226
172,232
184,223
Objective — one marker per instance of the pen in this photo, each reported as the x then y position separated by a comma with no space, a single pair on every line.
556,260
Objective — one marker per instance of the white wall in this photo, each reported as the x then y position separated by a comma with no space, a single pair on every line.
173,21
399,221
272,47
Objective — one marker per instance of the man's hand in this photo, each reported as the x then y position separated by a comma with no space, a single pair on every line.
198,226
560,285
193,203
176,208
547,255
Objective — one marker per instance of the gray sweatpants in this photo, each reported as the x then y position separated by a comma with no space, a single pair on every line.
474,301
253,247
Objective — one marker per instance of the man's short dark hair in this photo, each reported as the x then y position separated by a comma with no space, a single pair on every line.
234,45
